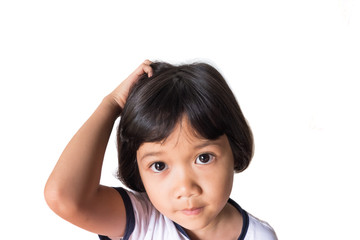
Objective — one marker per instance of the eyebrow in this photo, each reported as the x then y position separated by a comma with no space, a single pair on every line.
208,143
150,154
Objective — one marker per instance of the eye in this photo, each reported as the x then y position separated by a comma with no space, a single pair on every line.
204,158
158,167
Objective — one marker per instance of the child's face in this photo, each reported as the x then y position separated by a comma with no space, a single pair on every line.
188,179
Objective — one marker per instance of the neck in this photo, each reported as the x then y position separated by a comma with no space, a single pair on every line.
227,225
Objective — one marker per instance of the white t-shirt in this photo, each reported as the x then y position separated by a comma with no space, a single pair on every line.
144,222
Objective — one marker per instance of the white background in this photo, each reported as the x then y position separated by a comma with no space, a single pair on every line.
293,65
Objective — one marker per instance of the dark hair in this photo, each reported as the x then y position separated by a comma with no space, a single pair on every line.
156,104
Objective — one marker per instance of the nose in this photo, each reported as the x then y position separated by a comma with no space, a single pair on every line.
186,184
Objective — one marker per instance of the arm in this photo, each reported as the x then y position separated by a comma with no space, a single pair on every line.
73,190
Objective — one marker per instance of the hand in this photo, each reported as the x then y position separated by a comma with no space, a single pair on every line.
120,94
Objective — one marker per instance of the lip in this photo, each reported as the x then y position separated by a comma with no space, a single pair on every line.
192,211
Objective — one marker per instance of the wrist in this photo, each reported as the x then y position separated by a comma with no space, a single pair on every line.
112,105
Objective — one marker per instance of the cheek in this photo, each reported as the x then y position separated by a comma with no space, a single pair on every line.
152,187
158,193
220,181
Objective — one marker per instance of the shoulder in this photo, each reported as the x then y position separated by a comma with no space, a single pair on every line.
259,229
253,228
140,201
144,221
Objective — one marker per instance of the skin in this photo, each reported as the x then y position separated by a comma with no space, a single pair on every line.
195,176
73,189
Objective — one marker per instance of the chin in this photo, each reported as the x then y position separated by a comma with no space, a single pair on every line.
193,223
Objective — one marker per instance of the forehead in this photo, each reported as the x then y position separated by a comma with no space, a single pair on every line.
182,138
183,131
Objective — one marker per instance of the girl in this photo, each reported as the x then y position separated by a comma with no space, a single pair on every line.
181,137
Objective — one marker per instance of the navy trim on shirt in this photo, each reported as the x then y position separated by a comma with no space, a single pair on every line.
243,213
245,216
130,218
180,229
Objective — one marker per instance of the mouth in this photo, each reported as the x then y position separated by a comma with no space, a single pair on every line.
192,211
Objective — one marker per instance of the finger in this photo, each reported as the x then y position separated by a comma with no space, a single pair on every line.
144,68
147,62
147,68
